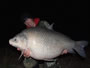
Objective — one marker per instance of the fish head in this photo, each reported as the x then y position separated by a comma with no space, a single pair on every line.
18,42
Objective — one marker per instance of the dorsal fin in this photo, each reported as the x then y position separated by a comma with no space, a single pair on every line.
46,25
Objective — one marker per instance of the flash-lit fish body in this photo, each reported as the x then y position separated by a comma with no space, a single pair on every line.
17,41
45,44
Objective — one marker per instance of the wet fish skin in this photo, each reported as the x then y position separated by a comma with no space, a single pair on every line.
45,44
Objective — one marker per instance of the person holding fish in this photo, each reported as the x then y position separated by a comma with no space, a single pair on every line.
43,43
29,21
33,22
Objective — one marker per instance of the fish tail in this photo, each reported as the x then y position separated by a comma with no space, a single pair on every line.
79,48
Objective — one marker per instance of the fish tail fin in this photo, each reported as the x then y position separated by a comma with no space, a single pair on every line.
51,26
79,48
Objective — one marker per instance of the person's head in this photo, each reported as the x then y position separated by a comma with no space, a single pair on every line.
28,20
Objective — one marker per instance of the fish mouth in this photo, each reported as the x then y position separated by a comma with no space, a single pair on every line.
13,44
10,42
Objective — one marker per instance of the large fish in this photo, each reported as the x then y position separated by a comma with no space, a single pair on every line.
45,44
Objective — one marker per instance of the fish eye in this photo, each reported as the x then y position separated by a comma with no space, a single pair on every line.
15,40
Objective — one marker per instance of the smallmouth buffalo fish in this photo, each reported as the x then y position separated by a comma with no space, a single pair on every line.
46,44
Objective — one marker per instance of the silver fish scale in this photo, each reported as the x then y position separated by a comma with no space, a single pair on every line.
49,44
45,44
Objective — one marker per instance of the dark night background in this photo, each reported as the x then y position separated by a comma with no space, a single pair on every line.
70,18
